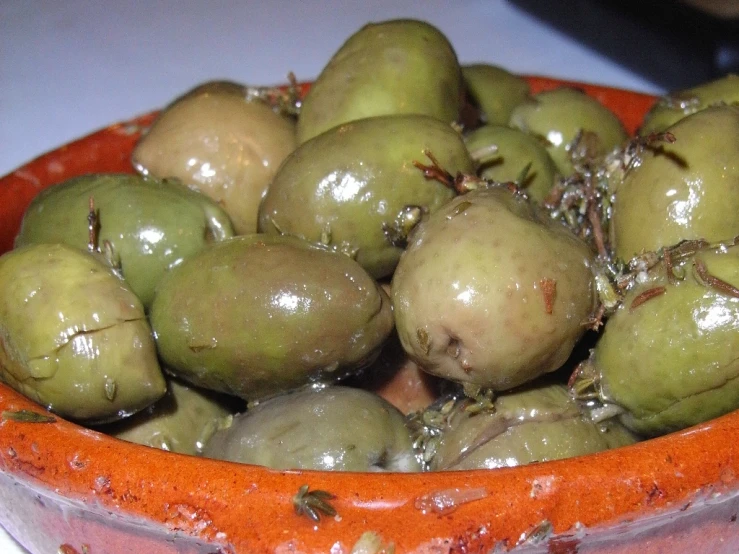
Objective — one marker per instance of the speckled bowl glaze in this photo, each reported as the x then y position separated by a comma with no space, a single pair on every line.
67,489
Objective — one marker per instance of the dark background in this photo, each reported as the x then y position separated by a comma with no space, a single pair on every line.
671,43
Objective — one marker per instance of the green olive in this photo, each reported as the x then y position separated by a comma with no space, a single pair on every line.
350,186
669,356
215,87
510,155
535,424
495,90
491,291
685,190
182,421
562,115
149,226
392,67
73,337
332,429
222,144
672,108
260,314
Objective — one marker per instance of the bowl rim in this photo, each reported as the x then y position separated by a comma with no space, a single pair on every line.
67,461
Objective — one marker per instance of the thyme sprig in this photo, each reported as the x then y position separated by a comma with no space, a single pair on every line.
313,504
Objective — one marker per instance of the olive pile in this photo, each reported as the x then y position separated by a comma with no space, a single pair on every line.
402,271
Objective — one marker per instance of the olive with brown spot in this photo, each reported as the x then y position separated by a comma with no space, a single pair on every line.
506,328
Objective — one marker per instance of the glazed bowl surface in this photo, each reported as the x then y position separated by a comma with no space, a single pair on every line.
67,489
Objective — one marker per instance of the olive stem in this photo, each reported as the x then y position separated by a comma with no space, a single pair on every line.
645,296
93,226
596,225
461,183
714,282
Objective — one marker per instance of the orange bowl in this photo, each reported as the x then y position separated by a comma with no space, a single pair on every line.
67,489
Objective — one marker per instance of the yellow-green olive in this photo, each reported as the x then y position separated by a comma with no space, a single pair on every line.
182,421
73,337
491,291
351,186
495,90
669,356
393,67
222,144
332,429
688,189
260,314
560,116
145,225
534,424
673,107
510,155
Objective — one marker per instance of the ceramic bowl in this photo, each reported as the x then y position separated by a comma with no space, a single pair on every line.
67,489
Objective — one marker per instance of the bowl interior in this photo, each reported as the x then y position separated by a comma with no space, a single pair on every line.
92,491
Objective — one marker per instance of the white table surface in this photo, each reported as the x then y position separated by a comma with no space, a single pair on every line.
68,68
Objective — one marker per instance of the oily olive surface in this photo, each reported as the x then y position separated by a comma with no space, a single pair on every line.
260,314
510,155
350,185
688,189
671,361
182,421
402,66
223,145
495,90
673,107
147,225
332,429
534,424
559,116
73,337
491,291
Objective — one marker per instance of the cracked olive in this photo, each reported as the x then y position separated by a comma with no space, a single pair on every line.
535,424
150,226
331,429
393,67
221,144
491,291
562,115
73,337
260,314
688,189
349,187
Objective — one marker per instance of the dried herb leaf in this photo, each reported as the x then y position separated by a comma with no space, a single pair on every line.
313,504
27,416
